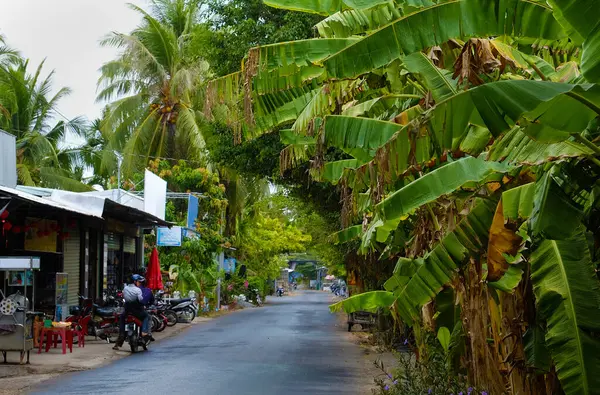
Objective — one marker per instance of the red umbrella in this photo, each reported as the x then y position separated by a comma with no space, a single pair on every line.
153,275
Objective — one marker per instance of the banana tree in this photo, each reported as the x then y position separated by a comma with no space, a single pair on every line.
472,126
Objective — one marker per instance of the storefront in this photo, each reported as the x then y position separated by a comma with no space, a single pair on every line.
96,243
33,226
120,246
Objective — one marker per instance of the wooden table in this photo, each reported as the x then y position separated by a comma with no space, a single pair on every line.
51,333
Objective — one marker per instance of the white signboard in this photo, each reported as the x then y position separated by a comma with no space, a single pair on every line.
169,237
155,195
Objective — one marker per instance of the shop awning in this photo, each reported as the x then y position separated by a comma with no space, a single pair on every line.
132,215
32,199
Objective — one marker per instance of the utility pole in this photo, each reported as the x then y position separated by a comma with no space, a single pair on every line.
221,263
119,161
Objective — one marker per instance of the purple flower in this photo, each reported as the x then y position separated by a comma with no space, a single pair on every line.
405,342
429,392
389,375
395,382
469,390
460,393
387,388
484,393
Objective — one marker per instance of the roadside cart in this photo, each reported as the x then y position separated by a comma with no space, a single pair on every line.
364,318
16,317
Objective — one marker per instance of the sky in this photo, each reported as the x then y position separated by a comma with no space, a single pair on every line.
67,33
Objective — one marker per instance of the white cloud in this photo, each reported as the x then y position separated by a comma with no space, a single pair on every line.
67,34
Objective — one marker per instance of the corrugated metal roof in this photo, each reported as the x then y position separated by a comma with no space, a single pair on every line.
46,202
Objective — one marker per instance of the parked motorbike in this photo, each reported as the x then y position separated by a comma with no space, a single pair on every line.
133,332
254,296
185,309
101,322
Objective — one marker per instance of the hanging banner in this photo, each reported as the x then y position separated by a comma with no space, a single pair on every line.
192,215
61,296
166,237
40,235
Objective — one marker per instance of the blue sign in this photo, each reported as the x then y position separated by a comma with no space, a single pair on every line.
229,265
192,215
166,237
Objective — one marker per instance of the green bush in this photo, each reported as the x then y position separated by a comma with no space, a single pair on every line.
429,374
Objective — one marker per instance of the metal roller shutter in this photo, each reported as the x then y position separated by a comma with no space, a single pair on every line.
71,255
129,244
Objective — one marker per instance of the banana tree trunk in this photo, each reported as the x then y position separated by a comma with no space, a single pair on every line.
483,369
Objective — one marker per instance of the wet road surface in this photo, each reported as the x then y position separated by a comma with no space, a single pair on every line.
290,346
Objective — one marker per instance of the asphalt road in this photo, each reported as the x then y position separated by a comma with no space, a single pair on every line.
290,346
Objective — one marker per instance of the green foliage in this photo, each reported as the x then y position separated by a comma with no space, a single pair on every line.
429,374
236,26
151,88
367,301
568,297
263,240
28,111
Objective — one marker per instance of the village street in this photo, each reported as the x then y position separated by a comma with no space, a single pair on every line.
292,345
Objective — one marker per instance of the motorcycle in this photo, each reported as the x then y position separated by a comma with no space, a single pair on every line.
133,332
185,308
254,296
100,322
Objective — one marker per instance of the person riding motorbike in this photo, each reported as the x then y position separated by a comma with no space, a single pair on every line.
147,295
133,296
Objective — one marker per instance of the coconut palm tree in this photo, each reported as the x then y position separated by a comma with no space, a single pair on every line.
30,113
151,88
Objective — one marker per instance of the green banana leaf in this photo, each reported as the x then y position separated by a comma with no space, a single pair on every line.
364,133
288,77
288,136
580,20
368,301
437,24
567,295
270,113
374,107
509,281
300,53
333,171
554,214
442,181
517,203
536,352
440,265
326,7
346,235
590,59
537,105
517,148
326,101
438,81
351,22
395,282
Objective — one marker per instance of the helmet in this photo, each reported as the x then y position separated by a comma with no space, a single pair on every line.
137,277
